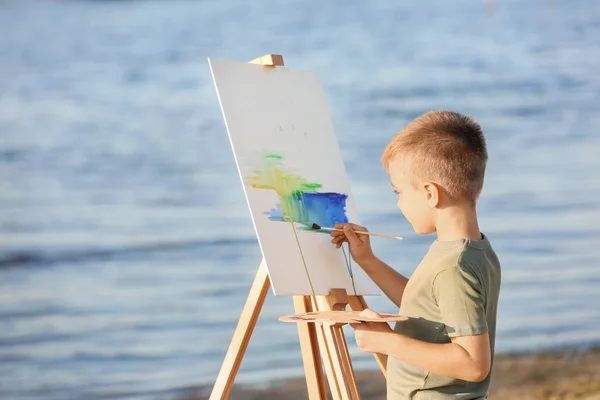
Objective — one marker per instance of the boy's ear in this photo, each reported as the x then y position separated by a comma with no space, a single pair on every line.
432,194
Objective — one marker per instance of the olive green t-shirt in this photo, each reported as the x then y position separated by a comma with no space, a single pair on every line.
453,292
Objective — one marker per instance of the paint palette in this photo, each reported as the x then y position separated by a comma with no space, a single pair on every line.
344,317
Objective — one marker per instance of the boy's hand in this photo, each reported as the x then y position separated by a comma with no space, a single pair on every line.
360,245
371,336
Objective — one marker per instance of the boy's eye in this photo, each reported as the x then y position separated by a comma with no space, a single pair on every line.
397,192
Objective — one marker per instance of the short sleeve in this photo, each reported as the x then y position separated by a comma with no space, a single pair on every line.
459,296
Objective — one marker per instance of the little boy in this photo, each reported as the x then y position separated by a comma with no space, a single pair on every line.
445,349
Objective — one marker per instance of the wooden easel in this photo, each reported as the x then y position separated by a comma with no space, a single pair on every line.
321,345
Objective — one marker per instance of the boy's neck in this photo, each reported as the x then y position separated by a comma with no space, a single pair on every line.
457,222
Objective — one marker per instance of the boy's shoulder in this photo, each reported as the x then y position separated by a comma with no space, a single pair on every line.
473,257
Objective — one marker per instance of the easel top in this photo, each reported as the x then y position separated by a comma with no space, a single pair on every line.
269,60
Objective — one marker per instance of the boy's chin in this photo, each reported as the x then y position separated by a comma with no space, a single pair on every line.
424,230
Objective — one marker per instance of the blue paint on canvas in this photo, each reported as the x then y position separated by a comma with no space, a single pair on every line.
325,209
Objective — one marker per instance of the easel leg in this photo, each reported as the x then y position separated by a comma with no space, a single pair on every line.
328,354
345,356
327,339
315,381
341,362
242,334
357,303
341,365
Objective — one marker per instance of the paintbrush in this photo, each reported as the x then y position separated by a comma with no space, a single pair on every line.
324,228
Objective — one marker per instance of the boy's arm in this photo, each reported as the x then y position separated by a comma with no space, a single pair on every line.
467,357
460,298
390,281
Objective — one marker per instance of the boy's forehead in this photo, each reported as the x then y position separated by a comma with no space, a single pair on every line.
397,176
401,173
398,169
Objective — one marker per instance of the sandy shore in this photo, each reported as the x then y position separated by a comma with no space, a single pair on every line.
544,376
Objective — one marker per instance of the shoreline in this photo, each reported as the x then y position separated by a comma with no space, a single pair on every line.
556,375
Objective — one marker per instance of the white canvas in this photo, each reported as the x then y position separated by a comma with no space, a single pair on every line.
292,172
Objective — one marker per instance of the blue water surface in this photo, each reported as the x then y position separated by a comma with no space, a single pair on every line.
126,245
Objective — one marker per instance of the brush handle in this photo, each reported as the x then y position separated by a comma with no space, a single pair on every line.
365,233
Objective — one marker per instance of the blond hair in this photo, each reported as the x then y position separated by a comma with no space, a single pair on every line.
443,146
